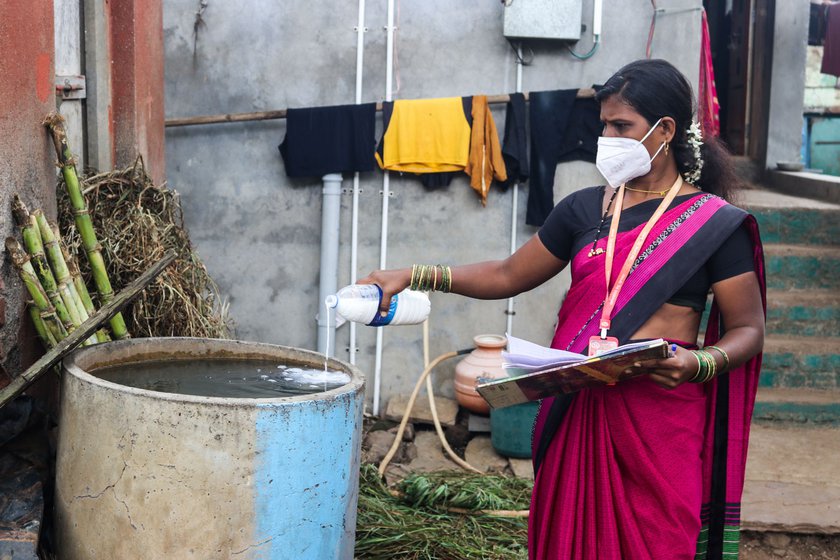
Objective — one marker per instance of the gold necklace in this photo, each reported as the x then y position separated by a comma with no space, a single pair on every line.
657,193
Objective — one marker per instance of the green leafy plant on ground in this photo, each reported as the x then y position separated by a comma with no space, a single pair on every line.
438,515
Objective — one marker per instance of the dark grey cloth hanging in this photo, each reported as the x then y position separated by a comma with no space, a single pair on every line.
563,128
515,143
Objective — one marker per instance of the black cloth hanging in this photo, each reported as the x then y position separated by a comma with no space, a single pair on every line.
515,143
322,140
563,128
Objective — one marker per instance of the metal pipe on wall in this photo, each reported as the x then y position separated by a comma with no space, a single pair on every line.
515,203
328,283
354,214
386,193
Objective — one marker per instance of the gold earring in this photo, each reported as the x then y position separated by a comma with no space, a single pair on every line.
666,148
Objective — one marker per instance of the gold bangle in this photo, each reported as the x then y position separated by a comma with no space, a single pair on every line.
699,367
712,372
723,354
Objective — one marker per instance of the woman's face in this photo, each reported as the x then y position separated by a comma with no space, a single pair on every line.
620,120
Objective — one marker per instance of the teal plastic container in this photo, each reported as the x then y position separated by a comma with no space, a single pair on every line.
510,429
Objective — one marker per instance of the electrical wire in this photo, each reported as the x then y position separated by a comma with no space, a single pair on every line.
652,28
520,59
591,52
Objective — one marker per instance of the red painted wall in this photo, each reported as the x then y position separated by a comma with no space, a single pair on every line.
27,159
137,84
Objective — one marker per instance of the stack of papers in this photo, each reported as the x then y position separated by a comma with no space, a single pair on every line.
537,372
526,357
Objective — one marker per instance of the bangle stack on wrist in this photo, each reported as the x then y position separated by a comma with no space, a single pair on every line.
430,278
706,367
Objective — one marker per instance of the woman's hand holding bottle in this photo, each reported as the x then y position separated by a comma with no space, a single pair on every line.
391,282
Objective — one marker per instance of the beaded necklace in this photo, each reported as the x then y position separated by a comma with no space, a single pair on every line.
600,250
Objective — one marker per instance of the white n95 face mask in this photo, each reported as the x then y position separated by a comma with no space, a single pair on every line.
623,159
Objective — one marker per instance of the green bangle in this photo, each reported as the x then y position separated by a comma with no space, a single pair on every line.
430,278
707,367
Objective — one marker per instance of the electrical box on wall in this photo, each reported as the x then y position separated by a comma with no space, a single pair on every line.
543,19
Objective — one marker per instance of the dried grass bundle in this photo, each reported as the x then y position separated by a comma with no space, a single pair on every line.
137,222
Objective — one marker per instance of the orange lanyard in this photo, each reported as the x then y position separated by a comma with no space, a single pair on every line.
612,295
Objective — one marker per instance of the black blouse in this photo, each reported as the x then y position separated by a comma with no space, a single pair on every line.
573,224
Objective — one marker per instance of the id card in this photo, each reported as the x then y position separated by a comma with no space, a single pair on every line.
598,345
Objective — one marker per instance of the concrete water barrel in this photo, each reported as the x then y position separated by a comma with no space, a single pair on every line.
143,474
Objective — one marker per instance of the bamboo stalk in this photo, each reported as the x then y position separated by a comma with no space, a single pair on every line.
84,225
34,246
39,252
44,334
79,283
60,270
54,355
27,273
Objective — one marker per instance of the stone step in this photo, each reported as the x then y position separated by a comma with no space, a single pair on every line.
798,362
803,407
792,481
803,313
802,267
797,312
792,220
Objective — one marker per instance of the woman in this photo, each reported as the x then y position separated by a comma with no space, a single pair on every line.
651,467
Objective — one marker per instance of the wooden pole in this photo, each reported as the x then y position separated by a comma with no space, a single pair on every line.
281,113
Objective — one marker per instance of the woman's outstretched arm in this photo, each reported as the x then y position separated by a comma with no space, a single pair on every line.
531,265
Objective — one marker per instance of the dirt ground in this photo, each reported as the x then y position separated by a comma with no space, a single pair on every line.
775,546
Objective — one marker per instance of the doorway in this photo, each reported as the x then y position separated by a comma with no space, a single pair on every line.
741,33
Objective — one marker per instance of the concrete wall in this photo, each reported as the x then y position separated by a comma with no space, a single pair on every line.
787,91
821,93
259,232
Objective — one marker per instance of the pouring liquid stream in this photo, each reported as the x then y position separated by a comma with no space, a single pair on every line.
327,350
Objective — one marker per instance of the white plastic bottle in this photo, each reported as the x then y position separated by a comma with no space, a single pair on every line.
360,303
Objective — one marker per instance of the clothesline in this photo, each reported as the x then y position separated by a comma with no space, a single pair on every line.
281,113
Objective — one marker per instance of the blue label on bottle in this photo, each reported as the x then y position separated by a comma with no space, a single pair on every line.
379,320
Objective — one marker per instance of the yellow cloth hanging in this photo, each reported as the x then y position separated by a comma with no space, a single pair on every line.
426,136
485,161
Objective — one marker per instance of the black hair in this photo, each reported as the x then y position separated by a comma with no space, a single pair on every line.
656,89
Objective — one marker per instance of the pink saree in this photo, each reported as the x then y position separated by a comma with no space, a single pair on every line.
633,470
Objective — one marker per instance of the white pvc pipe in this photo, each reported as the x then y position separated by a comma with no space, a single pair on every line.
596,17
328,284
515,203
354,214
386,193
